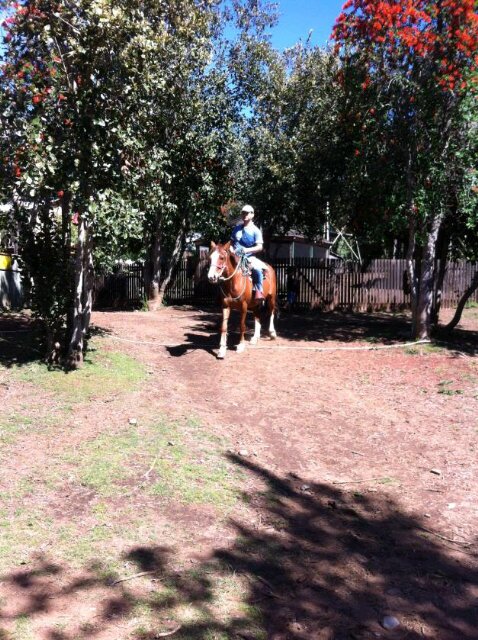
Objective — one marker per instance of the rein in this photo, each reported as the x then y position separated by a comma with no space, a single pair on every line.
232,274
242,262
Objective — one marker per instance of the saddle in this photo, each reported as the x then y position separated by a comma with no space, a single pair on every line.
245,265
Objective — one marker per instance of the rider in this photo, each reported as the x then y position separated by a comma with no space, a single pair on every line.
249,237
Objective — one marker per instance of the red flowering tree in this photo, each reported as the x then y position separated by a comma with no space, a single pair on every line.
412,68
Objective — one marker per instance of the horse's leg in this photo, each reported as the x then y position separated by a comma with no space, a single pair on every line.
223,342
242,343
272,307
257,325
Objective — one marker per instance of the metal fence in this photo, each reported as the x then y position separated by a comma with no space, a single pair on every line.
325,284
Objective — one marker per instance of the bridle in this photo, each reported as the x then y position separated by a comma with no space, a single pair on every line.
221,278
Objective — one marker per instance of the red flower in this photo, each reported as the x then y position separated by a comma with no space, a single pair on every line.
36,99
60,193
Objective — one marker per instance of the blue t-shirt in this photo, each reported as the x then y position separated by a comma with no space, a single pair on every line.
246,238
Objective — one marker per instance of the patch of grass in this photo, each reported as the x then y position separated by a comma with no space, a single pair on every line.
21,532
432,348
23,629
443,388
387,480
192,473
424,349
104,461
102,373
79,547
9,428
412,351
28,420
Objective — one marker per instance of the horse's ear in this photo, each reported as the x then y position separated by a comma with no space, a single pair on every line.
227,246
213,245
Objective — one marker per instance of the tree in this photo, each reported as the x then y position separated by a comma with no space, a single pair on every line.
116,133
414,65
292,140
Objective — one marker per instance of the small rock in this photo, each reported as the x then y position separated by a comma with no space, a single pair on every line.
244,453
426,515
451,505
437,472
132,421
305,487
390,623
170,443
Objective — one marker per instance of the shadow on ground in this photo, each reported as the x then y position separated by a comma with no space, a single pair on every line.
22,340
317,563
345,327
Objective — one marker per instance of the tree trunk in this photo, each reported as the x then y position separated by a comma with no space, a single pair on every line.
412,278
421,315
443,245
173,263
83,294
154,270
412,230
461,305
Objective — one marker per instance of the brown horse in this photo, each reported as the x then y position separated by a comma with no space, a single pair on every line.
232,274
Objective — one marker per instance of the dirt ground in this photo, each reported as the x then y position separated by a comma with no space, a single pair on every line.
358,463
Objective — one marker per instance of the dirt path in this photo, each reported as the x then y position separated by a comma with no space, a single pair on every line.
332,416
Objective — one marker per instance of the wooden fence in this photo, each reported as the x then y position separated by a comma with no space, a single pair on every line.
324,284
121,289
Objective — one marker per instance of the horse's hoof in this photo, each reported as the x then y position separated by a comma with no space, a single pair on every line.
240,347
221,354
254,340
273,335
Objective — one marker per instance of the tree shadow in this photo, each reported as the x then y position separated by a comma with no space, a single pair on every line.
317,562
347,327
328,563
20,339
458,340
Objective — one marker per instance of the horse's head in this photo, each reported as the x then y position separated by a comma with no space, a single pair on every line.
219,258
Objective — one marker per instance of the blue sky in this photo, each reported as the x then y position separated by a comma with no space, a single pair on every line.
299,16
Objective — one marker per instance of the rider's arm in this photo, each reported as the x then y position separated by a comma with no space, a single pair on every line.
255,249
